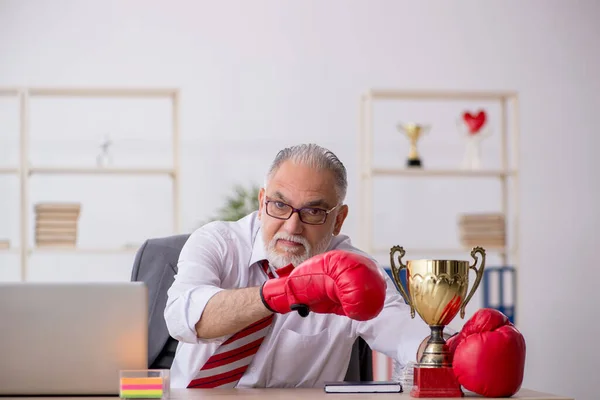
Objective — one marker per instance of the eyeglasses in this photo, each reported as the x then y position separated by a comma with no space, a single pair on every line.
308,215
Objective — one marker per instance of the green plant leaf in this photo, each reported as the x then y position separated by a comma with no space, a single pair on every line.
243,201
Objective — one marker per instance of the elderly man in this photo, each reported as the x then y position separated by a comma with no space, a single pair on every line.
278,298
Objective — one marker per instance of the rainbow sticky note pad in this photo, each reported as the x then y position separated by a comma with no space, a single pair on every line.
144,388
144,384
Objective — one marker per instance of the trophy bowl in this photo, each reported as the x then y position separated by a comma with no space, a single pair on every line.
437,290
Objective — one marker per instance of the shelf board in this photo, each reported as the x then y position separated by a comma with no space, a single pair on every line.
9,91
102,171
102,92
491,173
6,170
464,251
82,250
9,250
392,94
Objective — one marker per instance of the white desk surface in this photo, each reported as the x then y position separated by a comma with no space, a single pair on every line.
294,394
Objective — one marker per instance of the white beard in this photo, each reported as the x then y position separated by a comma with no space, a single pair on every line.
279,260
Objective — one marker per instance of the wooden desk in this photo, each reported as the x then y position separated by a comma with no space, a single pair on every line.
319,394
297,394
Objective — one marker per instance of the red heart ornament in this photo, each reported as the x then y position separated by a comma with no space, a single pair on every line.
474,122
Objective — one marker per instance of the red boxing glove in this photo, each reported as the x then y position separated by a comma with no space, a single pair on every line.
335,282
489,355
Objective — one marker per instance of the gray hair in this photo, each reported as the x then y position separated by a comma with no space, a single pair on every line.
316,157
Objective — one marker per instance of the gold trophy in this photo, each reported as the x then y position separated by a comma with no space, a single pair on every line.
437,290
413,132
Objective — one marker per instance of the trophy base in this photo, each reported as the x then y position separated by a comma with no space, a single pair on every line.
435,382
413,162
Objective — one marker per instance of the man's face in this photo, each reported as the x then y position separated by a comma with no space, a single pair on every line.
291,241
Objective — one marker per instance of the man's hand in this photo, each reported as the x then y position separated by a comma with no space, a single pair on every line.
489,355
335,282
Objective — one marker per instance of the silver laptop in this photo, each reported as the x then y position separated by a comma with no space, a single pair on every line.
71,338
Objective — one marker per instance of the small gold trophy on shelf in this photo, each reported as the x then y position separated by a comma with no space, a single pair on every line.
413,132
437,290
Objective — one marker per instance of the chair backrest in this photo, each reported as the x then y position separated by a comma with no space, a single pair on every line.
156,265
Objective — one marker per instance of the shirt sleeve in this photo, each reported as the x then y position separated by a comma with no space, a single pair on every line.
198,278
393,332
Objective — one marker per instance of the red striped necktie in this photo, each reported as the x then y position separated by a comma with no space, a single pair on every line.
229,363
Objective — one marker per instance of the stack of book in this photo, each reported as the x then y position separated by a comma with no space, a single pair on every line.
482,229
56,224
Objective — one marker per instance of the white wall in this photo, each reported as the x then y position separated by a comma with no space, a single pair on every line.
260,75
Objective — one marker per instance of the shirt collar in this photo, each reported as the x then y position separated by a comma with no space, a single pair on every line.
258,248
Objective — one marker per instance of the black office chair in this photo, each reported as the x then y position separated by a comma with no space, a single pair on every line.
156,265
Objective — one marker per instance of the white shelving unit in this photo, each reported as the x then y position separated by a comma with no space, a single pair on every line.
25,171
507,174
11,93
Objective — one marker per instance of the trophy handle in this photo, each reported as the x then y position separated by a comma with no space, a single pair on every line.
479,272
396,275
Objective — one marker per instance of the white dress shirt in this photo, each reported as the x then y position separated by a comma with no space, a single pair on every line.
298,352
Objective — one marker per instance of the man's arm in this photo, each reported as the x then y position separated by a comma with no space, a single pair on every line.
229,311
199,309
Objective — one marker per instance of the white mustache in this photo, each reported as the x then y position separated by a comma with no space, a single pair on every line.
292,238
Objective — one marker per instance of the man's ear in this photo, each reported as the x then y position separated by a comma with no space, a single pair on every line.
261,202
339,219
